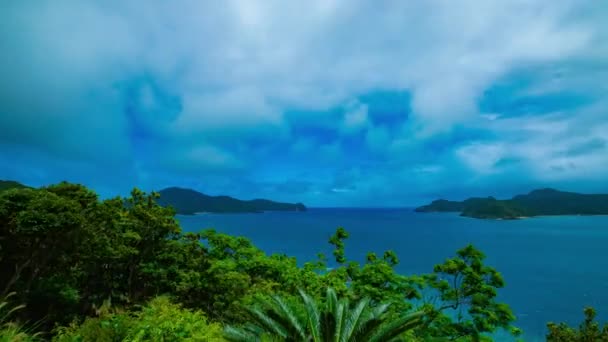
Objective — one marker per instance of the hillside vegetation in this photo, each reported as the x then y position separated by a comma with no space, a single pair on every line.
6,185
77,268
187,202
536,203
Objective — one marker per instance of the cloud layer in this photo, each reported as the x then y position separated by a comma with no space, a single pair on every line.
329,102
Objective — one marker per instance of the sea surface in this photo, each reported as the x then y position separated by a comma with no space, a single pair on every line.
553,266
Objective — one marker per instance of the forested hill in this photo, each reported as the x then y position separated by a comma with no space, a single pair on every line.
538,202
5,185
188,201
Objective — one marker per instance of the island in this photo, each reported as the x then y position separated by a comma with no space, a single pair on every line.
189,202
540,202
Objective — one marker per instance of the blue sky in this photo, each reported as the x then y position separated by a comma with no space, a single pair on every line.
328,102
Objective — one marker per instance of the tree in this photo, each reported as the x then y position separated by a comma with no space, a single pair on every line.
280,319
67,252
459,296
588,331
464,298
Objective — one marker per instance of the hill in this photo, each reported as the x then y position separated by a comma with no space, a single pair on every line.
555,202
188,202
6,185
538,202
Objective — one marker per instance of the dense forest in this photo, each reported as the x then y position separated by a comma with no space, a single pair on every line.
78,268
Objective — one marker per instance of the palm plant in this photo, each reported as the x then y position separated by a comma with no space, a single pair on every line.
275,319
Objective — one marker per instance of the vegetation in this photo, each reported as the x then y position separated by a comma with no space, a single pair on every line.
188,202
588,331
159,320
554,202
10,330
6,185
495,209
121,269
333,320
536,203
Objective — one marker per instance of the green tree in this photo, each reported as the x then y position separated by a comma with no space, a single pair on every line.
278,319
464,301
67,252
460,294
589,330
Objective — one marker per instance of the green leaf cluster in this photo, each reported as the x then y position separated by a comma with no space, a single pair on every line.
159,320
68,254
340,320
589,330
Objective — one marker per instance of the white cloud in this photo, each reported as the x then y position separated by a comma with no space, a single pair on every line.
250,60
551,147
212,156
233,108
482,157
355,118
236,67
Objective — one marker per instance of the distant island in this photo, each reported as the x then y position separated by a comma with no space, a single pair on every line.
536,203
189,202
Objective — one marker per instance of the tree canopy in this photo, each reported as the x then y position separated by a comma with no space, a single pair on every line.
81,265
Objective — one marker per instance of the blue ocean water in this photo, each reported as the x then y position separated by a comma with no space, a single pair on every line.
553,266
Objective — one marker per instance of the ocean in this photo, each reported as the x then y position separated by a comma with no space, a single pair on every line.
553,266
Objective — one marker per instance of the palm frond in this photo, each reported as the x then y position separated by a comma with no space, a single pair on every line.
265,321
339,314
394,328
354,319
314,318
233,334
294,325
334,321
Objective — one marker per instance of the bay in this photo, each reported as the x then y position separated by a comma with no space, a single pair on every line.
553,266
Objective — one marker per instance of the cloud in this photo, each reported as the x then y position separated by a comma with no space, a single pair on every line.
355,118
482,158
166,91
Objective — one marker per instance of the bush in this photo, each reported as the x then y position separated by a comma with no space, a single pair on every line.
160,320
12,331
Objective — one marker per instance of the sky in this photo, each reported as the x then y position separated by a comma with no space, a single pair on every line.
326,102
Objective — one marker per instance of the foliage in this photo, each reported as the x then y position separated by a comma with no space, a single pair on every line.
6,185
334,319
468,288
496,209
160,320
66,252
588,331
11,331
537,202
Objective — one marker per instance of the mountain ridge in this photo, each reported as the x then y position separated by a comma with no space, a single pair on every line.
538,202
9,184
187,201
